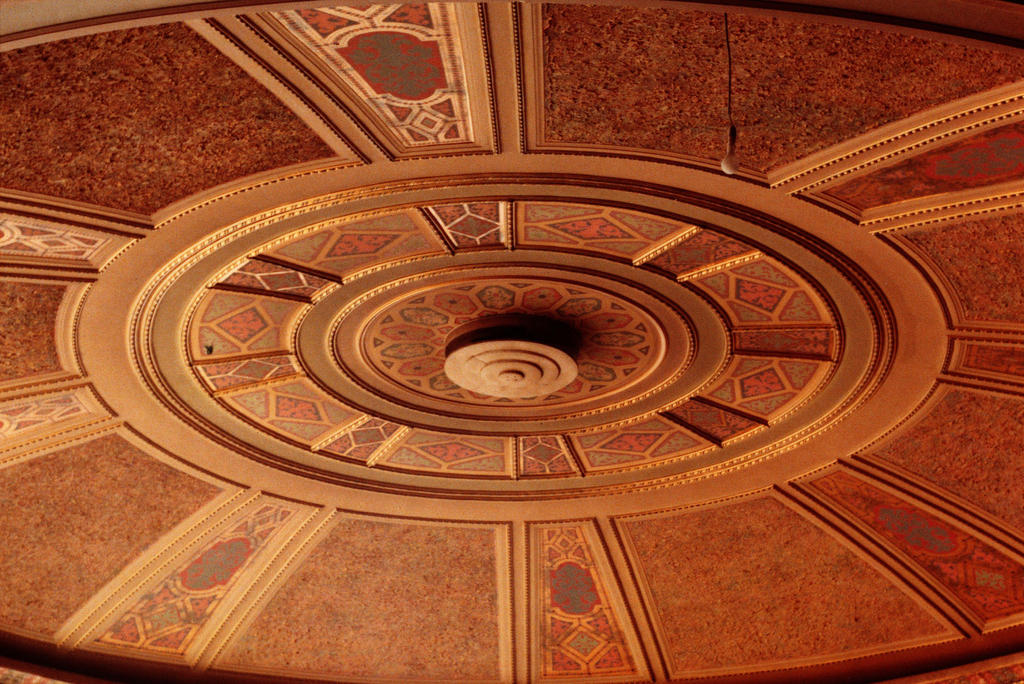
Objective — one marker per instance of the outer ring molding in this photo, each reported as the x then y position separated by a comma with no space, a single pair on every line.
806,443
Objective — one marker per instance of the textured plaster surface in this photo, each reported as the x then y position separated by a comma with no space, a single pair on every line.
72,519
971,444
137,119
611,77
28,329
982,260
387,599
754,582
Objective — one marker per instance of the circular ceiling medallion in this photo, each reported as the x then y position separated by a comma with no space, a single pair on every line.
575,343
512,357
362,346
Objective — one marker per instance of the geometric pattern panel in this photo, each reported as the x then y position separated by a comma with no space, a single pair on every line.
295,409
422,450
39,413
768,387
968,443
98,504
701,250
981,261
230,324
617,341
752,582
990,157
168,617
764,291
349,247
363,440
28,329
541,455
473,224
1001,362
237,373
581,635
387,601
652,440
717,423
26,237
259,275
818,343
987,581
403,62
606,230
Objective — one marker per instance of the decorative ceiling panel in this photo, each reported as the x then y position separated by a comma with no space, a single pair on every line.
714,421
611,79
28,327
544,455
651,440
274,278
94,533
440,620
230,324
427,451
43,240
294,408
472,225
605,230
721,580
1001,362
804,342
581,627
762,292
703,249
32,416
768,387
230,375
968,443
109,127
363,440
978,265
349,248
989,582
413,70
993,156
168,618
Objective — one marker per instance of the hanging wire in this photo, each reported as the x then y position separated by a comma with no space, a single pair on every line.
729,165
728,53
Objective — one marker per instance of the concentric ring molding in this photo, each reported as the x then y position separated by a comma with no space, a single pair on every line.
284,469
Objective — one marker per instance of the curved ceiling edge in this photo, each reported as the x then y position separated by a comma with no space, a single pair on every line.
34,22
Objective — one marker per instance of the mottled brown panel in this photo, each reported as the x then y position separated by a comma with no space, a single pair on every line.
755,582
71,520
139,118
387,599
656,79
28,329
982,260
973,445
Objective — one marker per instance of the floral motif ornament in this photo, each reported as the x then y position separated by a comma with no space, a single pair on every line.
405,342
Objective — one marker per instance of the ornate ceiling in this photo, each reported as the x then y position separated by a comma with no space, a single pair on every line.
237,241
